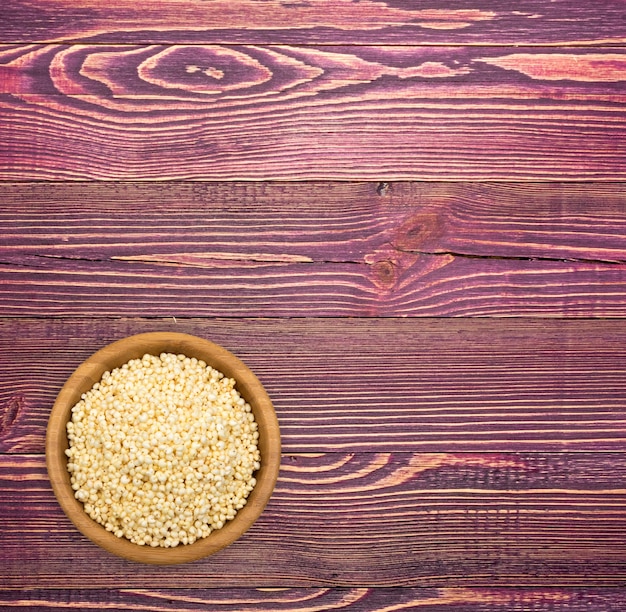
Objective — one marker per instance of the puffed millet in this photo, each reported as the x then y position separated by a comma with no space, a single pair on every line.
162,450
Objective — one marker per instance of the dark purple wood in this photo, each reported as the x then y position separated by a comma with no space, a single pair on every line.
317,21
330,249
322,599
364,520
370,385
220,112
388,285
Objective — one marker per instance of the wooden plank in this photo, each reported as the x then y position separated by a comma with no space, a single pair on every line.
317,21
368,385
329,249
322,599
364,519
250,112
389,285
301,222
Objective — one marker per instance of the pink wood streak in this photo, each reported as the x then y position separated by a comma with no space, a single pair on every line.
293,112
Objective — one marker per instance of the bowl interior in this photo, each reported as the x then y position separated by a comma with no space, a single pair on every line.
116,354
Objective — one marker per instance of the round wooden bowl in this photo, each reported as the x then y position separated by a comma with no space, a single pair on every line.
115,355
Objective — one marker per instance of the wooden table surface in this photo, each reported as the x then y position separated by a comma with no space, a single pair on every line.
407,217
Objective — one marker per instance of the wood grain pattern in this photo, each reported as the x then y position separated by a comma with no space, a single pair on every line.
364,519
363,385
255,112
446,465
328,249
317,21
323,599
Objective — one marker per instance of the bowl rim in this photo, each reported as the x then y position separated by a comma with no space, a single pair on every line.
116,354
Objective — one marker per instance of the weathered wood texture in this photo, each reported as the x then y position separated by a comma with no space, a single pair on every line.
323,599
327,112
364,519
316,21
328,249
362,385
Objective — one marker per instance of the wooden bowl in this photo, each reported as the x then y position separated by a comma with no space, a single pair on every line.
115,355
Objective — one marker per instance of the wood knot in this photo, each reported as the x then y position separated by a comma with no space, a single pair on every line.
384,274
383,189
9,414
420,232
